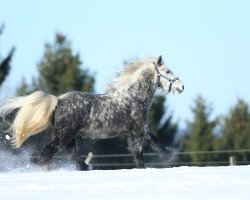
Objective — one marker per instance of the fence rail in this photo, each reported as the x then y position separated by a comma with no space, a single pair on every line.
106,161
179,153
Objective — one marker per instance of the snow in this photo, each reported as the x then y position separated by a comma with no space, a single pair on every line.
140,184
7,137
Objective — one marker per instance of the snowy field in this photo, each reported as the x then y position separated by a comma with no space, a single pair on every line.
223,183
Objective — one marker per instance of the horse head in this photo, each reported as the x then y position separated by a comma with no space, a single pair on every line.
166,79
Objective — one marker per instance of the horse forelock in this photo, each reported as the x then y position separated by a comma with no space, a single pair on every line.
129,72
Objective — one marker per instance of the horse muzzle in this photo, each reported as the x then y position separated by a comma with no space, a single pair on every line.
178,88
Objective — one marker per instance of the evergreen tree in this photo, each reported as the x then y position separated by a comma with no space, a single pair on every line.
5,63
236,130
199,136
60,69
23,89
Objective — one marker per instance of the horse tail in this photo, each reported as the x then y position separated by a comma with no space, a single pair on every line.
33,114
167,153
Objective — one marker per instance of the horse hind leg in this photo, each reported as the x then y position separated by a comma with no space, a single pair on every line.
61,138
72,150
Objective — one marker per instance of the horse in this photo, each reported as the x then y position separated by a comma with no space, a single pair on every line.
122,111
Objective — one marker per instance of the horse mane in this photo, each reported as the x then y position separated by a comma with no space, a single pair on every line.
128,72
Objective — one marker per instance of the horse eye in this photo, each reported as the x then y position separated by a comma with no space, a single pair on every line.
168,71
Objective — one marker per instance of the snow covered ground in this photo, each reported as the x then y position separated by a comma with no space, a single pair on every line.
171,183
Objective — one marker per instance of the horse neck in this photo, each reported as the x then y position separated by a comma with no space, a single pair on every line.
143,89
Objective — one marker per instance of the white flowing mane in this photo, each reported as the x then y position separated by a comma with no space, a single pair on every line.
127,73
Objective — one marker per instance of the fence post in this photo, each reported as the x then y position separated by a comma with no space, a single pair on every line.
88,159
232,160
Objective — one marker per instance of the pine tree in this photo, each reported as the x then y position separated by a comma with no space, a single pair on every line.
199,136
5,63
23,89
236,130
60,69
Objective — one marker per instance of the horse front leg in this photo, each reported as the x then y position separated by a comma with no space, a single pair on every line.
135,145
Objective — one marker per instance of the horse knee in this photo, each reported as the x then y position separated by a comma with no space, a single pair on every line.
135,144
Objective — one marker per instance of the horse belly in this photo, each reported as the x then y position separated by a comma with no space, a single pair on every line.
104,124
98,134
95,132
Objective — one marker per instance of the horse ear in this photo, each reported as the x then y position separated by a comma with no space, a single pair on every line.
159,61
